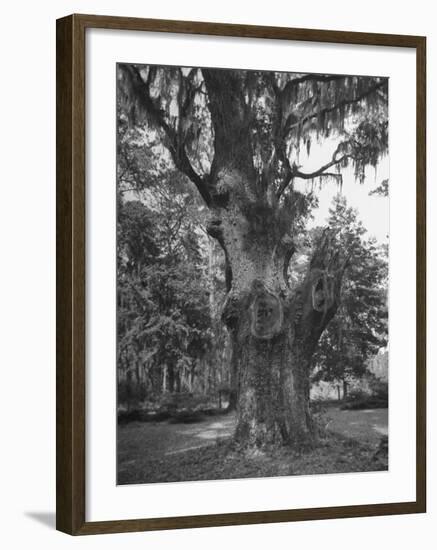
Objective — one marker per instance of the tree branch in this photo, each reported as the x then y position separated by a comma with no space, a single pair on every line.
214,229
321,171
282,130
288,255
280,153
285,182
344,103
308,78
318,296
175,144
231,118
335,160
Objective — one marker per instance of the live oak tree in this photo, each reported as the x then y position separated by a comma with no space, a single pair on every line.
237,135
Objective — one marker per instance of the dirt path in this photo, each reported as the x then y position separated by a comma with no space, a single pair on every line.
155,440
159,439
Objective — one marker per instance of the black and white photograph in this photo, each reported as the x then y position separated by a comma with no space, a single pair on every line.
252,273
218,291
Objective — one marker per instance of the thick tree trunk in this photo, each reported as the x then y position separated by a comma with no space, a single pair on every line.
273,404
274,336
274,331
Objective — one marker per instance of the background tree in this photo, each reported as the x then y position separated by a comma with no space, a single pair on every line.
359,329
164,319
237,135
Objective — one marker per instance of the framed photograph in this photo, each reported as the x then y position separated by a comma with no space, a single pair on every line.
240,274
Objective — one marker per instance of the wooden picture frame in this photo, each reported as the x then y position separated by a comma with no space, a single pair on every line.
71,248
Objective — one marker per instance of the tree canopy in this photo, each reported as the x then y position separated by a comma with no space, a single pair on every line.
257,120
360,327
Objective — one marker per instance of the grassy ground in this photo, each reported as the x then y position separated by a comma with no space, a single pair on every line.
151,452
366,426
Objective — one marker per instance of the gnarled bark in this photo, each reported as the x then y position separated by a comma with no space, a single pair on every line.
274,331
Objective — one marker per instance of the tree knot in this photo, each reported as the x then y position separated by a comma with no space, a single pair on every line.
266,312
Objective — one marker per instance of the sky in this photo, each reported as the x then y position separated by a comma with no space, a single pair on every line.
373,210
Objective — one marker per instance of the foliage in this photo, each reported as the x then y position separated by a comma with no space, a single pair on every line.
203,115
359,329
381,190
164,320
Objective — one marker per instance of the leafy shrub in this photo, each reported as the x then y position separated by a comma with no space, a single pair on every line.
368,403
379,389
359,399
356,394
